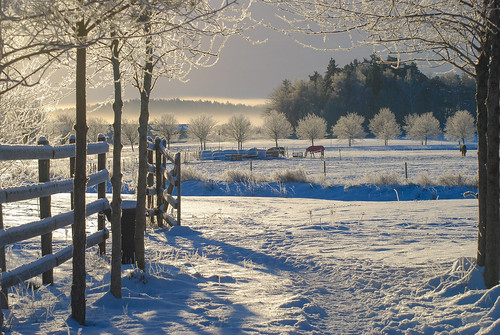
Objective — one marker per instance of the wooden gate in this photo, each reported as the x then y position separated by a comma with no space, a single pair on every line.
164,183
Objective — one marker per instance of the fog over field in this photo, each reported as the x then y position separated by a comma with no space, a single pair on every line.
184,109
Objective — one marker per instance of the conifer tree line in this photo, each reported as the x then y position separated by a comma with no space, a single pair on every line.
365,87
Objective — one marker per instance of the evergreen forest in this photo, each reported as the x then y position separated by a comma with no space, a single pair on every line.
364,87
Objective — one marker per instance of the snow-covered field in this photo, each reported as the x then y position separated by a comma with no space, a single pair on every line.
363,162
301,258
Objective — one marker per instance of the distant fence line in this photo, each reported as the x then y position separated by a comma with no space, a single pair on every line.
44,153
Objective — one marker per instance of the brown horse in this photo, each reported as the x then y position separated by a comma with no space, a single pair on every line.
315,149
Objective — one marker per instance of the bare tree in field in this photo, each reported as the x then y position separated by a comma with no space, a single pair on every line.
460,126
239,128
130,132
384,125
349,127
167,127
277,126
311,127
422,127
201,127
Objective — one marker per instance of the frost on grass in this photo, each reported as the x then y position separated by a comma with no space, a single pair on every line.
190,172
391,178
238,176
290,176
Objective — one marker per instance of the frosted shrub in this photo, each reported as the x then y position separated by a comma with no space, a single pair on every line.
290,176
424,179
59,169
31,303
391,178
17,173
474,182
452,180
237,176
189,172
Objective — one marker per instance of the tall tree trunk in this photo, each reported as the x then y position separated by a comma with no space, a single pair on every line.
116,179
140,221
492,102
80,184
481,125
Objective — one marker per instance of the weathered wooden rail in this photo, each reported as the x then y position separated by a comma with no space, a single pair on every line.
164,183
44,153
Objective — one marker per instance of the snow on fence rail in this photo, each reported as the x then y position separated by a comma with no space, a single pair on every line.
162,182
48,223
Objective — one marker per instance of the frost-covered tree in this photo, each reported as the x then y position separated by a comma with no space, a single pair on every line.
422,127
31,46
384,125
277,126
311,127
238,128
23,116
63,126
201,127
130,132
97,125
349,127
166,127
460,126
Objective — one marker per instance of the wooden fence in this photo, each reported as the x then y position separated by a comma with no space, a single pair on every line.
44,153
164,182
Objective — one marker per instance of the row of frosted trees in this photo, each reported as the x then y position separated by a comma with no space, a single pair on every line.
384,126
460,127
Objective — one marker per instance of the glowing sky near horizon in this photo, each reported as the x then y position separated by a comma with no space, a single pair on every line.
247,73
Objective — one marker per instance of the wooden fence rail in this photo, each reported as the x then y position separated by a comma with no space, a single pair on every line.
165,178
44,153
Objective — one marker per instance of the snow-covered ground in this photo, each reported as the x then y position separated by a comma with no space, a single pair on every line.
303,258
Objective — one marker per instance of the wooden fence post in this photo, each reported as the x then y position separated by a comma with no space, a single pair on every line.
72,140
4,301
159,182
406,172
101,193
45,211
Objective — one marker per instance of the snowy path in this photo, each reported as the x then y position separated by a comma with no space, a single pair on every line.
336,269
292,266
